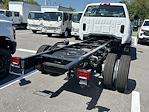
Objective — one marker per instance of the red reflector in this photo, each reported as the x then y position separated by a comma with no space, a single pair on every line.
84,74
15,60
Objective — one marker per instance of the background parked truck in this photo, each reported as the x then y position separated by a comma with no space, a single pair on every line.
35,21
76,16
57,20
14,16
7,44
23,9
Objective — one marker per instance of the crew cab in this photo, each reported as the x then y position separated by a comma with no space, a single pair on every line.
106,19
35,21
7,44
144,32
76,16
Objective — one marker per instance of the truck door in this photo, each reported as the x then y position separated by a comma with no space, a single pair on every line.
16,18
9,14
65,22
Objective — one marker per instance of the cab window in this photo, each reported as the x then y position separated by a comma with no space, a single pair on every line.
8,14
105,11
16,14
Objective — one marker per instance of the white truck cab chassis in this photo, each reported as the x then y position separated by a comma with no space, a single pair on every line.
106,19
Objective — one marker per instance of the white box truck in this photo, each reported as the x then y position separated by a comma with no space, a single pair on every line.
57,20
12,15
76,16
24,9
35,21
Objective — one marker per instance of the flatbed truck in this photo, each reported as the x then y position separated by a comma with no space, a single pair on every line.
81,61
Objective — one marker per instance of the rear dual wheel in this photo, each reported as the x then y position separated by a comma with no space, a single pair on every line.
123,71
115,74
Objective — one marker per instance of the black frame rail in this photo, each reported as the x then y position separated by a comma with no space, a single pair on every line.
58,63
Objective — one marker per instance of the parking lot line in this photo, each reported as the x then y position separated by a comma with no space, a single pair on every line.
26,50
135,102
17,79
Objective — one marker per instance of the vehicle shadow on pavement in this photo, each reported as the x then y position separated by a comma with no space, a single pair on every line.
102,109
131,86
10,77
144,43
133,53
93,91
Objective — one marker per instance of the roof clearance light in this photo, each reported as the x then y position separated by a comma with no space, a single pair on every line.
105,4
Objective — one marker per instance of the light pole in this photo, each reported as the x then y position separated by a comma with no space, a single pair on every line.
46,2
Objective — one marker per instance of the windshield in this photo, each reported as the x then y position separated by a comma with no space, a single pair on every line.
8,13
76,17
105,11
52,16
35,15
146,23
1,12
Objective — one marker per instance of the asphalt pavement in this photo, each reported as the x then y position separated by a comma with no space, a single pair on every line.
38,92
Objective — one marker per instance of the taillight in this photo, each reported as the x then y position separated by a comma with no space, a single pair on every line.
84,27
15,60
84,74
122,28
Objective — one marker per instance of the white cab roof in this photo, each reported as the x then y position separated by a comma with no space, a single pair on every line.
4,18
113,4
146,20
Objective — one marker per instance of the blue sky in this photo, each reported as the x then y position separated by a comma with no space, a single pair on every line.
77,4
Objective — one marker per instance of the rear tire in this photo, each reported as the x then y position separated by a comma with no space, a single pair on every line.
123,71
109,70
40,50
34,31
49,34
5,57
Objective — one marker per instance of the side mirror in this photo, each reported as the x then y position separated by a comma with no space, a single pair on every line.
59,18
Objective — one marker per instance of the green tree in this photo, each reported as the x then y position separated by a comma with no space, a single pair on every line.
137,7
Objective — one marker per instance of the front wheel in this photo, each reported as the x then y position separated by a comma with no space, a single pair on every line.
34,31
66,34
49,34
5,57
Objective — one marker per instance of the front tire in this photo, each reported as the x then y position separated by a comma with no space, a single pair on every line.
66,34
34,31
49,34
5,57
